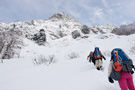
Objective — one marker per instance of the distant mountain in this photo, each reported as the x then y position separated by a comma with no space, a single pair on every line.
59,23
102,29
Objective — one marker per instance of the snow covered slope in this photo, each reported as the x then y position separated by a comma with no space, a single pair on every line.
66,73
71,70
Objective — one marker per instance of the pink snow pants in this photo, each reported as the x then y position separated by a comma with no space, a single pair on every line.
126,81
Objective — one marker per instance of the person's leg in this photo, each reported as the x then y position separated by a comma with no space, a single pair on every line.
93,61
100,63
123,84
130,82
97,64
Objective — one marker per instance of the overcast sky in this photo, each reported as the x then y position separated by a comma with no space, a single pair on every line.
89,12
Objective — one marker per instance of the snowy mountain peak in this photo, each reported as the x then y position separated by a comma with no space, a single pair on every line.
60,16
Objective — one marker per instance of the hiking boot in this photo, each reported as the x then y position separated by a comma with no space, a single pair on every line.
98,68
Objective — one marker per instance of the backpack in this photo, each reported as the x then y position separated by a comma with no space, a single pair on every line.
97,53
121,62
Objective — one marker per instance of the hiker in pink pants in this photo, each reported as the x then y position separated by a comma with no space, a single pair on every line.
126,81
121,69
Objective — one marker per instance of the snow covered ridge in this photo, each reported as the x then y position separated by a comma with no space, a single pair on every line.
52,26
58,23
102,29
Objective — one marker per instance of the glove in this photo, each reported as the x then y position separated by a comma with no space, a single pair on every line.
132,72
105,58
88,58
110,80
133,67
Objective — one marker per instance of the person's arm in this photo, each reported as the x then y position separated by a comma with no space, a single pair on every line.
102,56
110,67
91,57
88,57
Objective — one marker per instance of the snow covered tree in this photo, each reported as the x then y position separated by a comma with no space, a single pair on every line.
75,34
10,44
125,30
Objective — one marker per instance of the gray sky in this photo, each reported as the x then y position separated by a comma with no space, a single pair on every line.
89,12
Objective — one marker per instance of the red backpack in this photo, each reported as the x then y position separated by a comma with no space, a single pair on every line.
117,63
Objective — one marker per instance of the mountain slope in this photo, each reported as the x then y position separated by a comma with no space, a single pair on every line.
66,73
59,23
71,70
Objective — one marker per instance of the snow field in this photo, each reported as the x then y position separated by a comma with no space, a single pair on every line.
65,74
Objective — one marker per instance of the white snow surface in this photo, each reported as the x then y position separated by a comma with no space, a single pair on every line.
65,74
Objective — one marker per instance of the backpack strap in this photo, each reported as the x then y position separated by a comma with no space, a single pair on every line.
114,65
97,52
115,58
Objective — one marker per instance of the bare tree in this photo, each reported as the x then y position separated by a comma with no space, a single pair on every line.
73,55
44,60
124,30
10,43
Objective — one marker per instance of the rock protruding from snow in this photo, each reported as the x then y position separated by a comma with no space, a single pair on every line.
75,34
40,37
85,29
